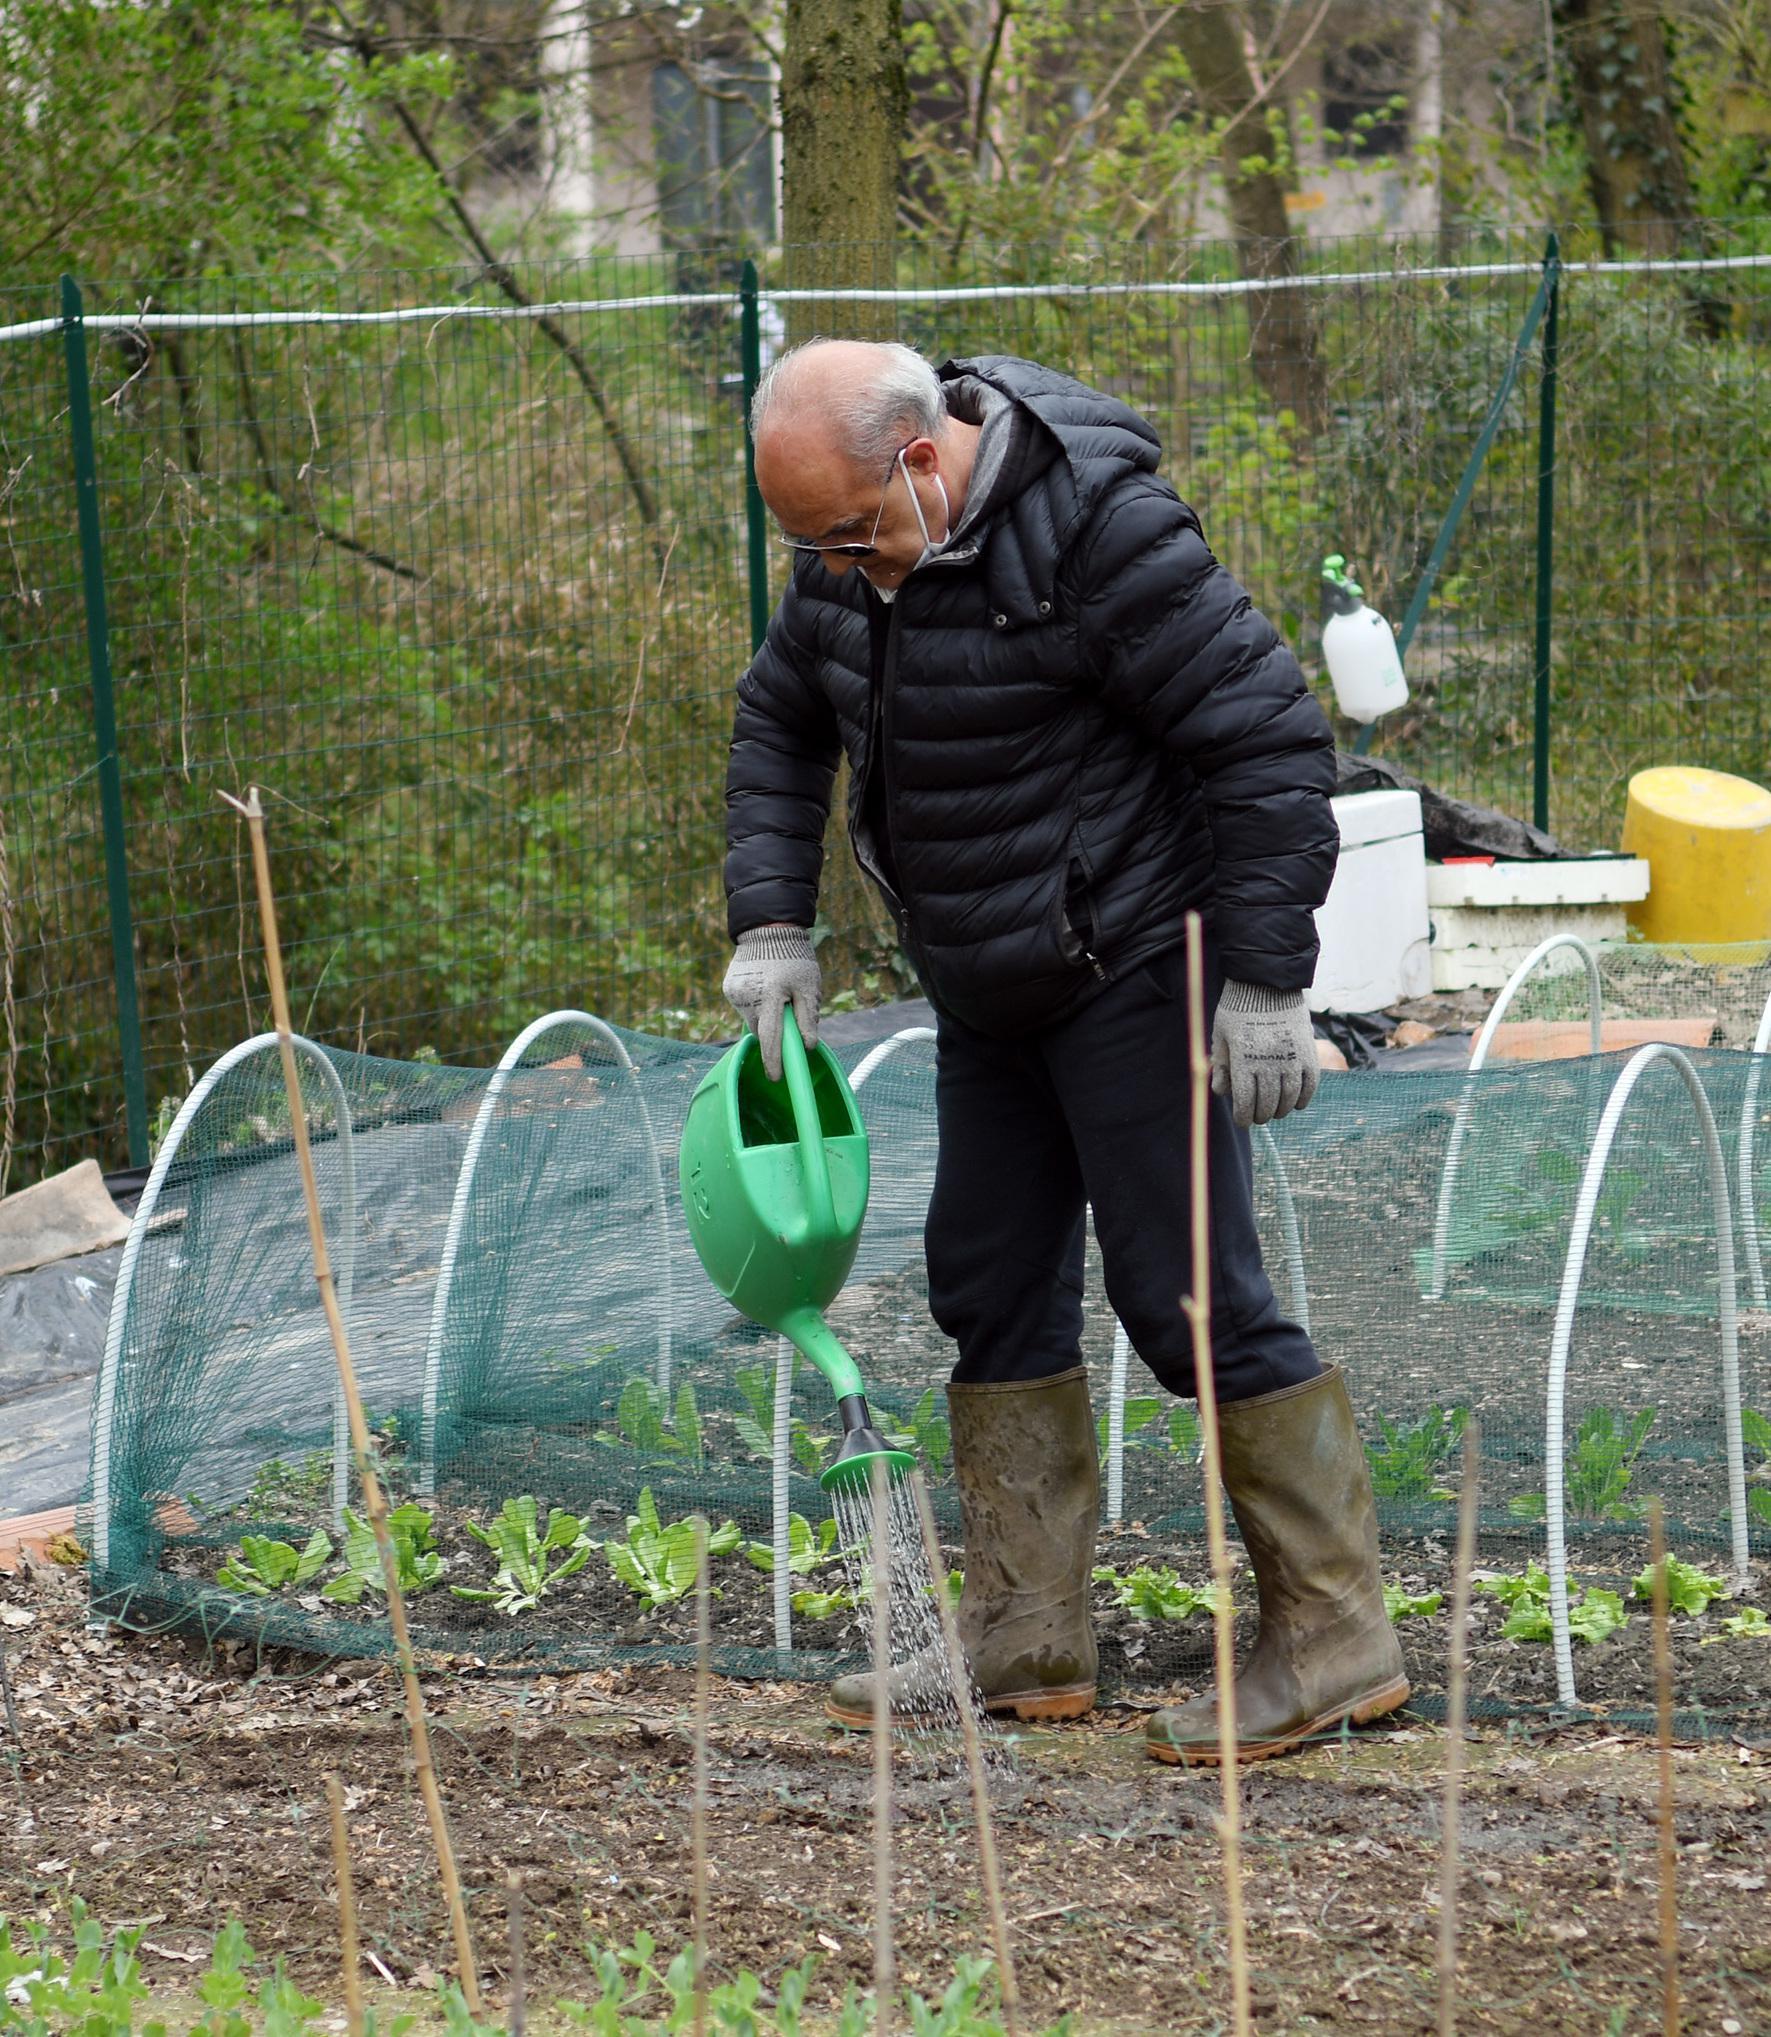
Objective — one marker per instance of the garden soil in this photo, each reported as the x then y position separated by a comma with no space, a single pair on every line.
172,1787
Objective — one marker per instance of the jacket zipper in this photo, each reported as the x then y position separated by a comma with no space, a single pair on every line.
876,761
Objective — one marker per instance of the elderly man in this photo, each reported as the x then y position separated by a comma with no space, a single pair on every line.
1066,728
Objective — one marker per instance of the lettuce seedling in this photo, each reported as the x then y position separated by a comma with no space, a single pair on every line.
417,1560
1688,1589
1152,1593
1401,1606
264,1566
808,1548
523,1547
1751,1623
657,1562
1593,1613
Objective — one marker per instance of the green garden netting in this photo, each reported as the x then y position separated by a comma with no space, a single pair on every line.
528,1318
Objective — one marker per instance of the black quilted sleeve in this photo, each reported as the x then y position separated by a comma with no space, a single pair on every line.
1170,638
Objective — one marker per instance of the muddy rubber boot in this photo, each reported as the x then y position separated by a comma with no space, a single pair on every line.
1024,1459
1326,1652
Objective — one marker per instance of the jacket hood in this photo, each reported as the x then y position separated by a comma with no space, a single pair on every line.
1034,417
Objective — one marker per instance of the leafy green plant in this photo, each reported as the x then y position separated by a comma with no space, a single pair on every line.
1596,1477
1185,1437
95,1993
808,1548
1751,1623
1593,1613
264,1566
1150,1592
1688,1589
1755,1432
418,1562
651,1426
1401,1606
810,1447
657,1561
1406,1462
525,1574
756,1428
1140,1411
824,1605
279,1489
928,1432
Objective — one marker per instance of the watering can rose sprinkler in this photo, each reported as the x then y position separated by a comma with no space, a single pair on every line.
774,1180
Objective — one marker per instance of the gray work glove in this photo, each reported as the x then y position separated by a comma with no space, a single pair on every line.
775,967
1263,1052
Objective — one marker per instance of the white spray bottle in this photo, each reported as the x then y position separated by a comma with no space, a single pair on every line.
1358,647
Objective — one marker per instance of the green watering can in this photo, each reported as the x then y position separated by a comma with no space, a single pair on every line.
774,1181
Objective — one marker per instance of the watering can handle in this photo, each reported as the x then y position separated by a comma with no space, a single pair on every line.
797,1067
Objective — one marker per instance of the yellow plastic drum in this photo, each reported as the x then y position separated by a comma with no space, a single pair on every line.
1707,838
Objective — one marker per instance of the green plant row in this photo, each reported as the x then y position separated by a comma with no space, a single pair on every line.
94,1987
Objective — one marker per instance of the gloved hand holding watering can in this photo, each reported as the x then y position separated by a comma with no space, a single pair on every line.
773,968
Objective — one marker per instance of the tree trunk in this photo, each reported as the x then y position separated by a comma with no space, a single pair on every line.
844,99
1282,341
1616,56
844,102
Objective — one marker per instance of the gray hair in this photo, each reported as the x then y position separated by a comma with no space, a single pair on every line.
901,401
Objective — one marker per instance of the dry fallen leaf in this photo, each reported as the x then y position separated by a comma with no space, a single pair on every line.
17,1616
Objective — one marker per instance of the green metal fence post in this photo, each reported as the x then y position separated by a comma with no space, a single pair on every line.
750,333
1546,533
104,721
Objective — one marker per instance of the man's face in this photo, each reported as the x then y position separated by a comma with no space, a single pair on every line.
815,492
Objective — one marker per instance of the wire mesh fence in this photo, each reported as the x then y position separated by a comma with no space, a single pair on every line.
465,585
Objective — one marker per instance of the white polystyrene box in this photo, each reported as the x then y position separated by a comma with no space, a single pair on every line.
1373,925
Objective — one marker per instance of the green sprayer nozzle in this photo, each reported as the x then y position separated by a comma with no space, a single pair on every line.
862,1447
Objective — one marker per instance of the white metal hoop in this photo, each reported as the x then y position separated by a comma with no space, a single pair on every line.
1466,1102
1585,1206
425,1473
105,1402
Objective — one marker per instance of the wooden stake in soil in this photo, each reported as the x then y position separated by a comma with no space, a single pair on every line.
518,2016
1457,1681
362,1444
974,1756
884,1965
1197,1308
703,1707
349,1954
1663,1719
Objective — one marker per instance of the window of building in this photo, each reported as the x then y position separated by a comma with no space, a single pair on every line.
714,151
1364,96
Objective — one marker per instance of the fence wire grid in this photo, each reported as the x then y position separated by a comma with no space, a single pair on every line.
465,586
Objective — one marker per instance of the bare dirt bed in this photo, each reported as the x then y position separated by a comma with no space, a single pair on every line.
173,1788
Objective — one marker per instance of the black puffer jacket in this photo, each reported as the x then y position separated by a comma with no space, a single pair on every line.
1081,729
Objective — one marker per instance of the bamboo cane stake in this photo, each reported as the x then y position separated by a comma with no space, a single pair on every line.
974,1757
350,1956
703,1707
517,2020
884,1975
1456,1707
362,1445
1663,1720
1197,1307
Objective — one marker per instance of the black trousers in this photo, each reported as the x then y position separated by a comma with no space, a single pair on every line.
1095,1112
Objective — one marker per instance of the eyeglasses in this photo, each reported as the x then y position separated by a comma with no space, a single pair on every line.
852,551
